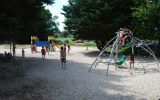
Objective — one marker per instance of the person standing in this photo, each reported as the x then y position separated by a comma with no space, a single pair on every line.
43,51
69,48
131,60
63,57
47,48
124,33
14,49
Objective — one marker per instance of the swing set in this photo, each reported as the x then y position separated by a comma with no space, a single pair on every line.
114,55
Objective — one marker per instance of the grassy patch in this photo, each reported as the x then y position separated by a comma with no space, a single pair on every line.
73,42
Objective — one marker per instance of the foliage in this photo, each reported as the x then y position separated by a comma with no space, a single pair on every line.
65,34
71,41
147,17
22,18
147,20
46,25
97,19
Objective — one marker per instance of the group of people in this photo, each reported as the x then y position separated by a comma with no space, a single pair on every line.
124,34
63,51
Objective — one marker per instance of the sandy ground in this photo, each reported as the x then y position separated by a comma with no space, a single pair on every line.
46,80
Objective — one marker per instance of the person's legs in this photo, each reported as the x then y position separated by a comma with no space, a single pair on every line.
62,64
43,56
62,61
130,64
65,65
69,50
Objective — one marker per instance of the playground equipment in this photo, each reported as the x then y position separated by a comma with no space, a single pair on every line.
112,58
52,40
34,39
121,61
42,43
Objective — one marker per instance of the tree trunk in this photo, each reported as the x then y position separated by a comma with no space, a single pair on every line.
100,44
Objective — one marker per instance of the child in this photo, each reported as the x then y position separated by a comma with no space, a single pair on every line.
63,56
121,35
69,48
131,60
124,35
43,51
47,48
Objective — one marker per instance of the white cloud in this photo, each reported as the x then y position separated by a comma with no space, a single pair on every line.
56,9
64,1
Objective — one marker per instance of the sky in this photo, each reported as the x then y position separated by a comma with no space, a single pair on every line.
56,9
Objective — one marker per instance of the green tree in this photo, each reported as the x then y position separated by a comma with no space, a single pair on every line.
46,25
147,20
65,33
97,19
22,18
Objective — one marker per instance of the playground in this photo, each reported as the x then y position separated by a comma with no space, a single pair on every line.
46,80
80,50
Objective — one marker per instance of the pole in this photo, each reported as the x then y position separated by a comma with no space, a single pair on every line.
117,46
132,45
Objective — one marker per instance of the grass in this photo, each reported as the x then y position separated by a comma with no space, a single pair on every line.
72,42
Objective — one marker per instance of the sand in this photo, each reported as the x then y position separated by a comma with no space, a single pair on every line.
46,80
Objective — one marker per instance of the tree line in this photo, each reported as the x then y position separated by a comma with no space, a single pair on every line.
20,19
99,19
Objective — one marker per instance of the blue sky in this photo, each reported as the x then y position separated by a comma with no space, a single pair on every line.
56,9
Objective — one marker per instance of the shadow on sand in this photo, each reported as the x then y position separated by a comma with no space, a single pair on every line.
45,80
